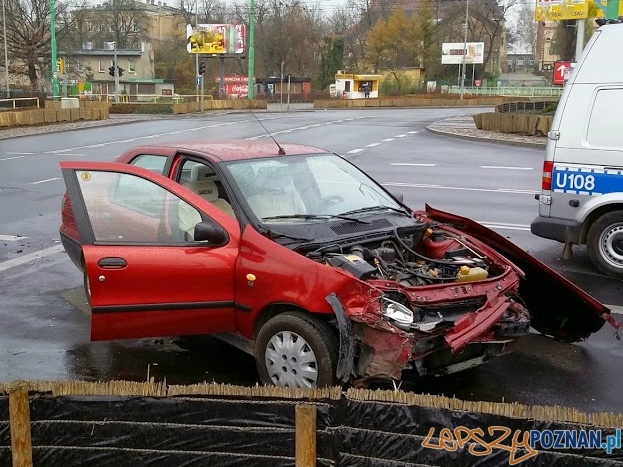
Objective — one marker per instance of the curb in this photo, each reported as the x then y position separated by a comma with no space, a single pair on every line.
486,140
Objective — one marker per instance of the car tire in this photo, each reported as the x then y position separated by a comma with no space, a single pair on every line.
294,349
605,244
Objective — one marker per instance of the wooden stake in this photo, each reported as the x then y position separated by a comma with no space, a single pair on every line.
19,415
305,435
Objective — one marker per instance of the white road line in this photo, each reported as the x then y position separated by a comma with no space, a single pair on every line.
354,151
401,136
388,139
506,227
616,309
371,145
414,164
504,168
11,158
46,180
503,223
11,238
30,257
414,132
490,190
27,153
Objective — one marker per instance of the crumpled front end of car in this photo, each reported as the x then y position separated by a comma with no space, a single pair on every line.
434,301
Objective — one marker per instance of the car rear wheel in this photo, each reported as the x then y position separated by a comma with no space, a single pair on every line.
605,243
294,349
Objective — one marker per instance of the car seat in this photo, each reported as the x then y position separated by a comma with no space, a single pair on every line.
202,183
277,196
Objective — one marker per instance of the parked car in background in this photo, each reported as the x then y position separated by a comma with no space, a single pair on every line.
295,255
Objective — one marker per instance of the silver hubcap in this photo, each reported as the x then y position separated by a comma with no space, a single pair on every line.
611,245
290,361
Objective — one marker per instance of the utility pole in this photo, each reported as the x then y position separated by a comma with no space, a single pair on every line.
281,86
53,44
6,55
579,39
116,75
464,50
197,52
251,50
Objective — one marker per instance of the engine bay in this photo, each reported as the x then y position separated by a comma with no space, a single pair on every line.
418,255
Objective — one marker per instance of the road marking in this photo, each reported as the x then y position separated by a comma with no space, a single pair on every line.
523,228
74,155
30,256
26,153
504,168
617,309
11,158
414,132
354,151
388,139
46,180
489,190
414,164
371,145
401,136
11,238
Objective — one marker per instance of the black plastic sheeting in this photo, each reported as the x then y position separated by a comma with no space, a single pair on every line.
5,433
221,431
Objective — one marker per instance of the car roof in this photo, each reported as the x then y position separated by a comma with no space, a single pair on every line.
232,150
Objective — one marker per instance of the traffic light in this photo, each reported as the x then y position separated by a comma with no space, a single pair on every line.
202,68
111,70
120,70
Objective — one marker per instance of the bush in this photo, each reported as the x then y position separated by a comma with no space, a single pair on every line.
135,108
550,109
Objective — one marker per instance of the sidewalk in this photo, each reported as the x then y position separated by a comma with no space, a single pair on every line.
464,127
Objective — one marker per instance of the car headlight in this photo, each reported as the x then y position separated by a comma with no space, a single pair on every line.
397,312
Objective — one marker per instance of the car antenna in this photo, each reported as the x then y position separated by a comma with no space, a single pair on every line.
282,152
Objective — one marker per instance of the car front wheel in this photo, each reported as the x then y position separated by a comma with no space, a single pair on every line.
294,349
605,243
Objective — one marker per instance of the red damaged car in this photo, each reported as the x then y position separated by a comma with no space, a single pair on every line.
298,257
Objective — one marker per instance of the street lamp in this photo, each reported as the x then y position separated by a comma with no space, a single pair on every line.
251,50
53,39
6,54
464,50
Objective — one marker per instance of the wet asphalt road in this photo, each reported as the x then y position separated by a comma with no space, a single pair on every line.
43,311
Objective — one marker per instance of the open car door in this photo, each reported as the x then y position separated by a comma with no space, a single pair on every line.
558,308
145,274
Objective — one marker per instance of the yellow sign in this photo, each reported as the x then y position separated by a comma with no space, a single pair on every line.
206,39
571,9
86,176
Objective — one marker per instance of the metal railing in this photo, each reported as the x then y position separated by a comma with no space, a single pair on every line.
509,91
16,102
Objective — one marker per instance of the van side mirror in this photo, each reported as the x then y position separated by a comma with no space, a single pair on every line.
210,232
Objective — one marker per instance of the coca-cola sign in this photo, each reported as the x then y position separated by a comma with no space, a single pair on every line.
237,90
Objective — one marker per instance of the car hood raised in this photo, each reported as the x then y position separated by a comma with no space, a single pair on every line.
558,308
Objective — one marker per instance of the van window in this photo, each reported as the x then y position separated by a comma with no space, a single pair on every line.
604,126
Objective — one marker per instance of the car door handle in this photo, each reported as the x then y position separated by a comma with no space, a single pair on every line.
112,263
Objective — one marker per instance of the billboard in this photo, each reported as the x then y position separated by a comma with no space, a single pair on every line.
553,10
452,53
215,39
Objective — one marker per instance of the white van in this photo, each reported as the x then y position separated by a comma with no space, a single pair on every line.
581,201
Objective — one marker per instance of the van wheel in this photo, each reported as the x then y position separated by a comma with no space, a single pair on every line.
296,350
605,244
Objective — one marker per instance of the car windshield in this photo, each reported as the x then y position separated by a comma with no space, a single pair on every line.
307,188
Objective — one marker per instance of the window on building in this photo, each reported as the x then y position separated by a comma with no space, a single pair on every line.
101,27
509,62
79,65
134,26
89,26
520,61
131,66
531,62
101,66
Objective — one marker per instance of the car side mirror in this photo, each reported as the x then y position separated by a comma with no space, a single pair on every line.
399,196
210,232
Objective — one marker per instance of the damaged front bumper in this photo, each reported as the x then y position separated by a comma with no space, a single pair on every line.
373,345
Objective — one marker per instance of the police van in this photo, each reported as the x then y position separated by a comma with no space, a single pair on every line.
581,200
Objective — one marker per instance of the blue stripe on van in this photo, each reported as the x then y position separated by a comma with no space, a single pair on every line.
586,181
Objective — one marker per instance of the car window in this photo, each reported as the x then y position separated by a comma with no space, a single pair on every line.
141,212
150,162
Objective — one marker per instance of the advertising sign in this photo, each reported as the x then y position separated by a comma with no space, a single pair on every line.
553,10
452,53
215,39
562,70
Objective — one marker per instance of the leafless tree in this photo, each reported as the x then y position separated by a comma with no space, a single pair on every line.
526,28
